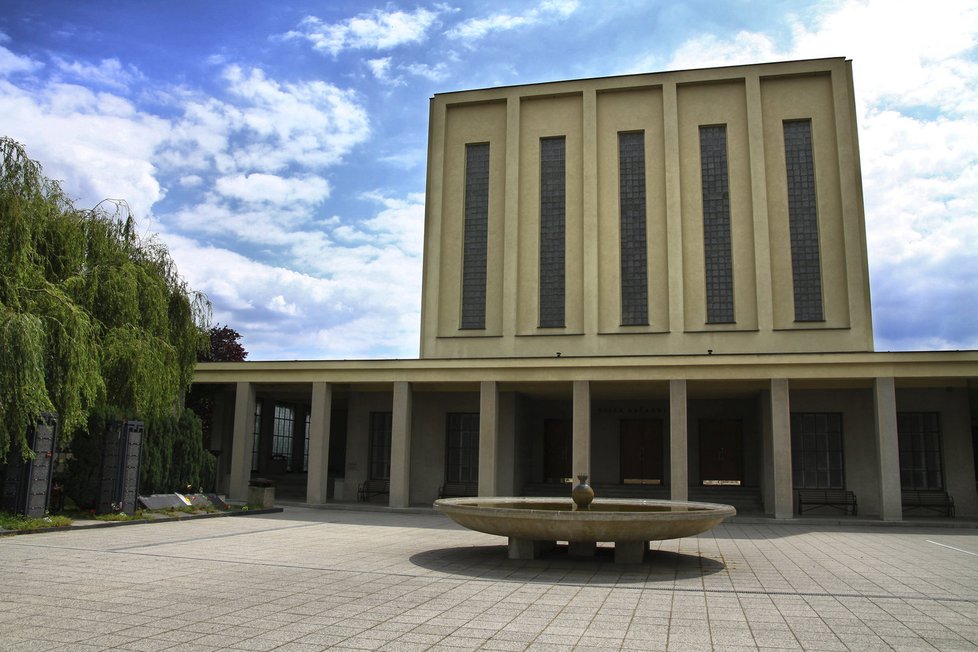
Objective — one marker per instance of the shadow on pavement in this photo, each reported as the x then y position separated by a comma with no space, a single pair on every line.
492,563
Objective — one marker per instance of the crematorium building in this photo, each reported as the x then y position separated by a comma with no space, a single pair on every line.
657,280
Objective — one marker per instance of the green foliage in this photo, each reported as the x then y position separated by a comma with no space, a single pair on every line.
81,484
174,457
88,309
21,522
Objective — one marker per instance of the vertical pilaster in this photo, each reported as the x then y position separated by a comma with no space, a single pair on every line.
318,477
511,214
590,212
888,449
244,430
400,495
582,428
678,452
674,211
781,448
758,191
488,437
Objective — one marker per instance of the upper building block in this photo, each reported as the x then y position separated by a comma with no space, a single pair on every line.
668,213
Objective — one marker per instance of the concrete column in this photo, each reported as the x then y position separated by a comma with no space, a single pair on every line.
884,405
401,446
488,437
244,431
781,448
581,446
678,451
317,479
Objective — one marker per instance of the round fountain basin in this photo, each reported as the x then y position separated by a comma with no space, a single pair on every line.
608,519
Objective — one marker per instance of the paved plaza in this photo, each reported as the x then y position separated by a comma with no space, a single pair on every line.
309,579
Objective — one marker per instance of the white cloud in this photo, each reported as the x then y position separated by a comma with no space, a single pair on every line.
273,189
362,300
314,123
190,180
438,72
11,63
99,145
265,126
280,305
476,28
108,72
381,70
376,30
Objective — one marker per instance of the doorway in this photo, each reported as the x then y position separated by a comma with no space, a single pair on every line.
557,450
641,451
721,452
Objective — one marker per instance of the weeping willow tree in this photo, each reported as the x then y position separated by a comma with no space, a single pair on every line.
90,313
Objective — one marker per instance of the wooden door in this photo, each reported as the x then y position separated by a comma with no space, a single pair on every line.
641,451
721,452
557,450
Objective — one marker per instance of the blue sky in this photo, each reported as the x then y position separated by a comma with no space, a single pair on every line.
278,148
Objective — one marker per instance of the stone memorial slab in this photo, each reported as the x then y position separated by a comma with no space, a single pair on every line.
163,501
217,501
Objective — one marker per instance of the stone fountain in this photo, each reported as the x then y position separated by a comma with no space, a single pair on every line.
534,525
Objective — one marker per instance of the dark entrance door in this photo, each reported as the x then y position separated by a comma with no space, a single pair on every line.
641,451
557,450
721,452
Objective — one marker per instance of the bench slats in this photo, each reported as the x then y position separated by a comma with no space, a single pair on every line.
934,500
459,490
372,488
837,498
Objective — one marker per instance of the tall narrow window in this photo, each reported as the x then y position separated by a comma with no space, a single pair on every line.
380,445
553,181
634,247
256,437
283,431
816,450
476,236
717,252
462,448
919,435
806,269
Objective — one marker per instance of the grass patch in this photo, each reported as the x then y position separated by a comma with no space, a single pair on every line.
121,516
20,522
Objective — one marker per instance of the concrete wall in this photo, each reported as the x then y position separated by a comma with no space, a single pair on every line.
752,102
428,439
361,404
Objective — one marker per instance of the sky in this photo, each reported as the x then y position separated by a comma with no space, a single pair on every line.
278,148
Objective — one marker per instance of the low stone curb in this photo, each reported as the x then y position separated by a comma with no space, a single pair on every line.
94,524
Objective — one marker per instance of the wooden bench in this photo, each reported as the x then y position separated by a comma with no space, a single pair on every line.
459,490
934,500
372,488
837,498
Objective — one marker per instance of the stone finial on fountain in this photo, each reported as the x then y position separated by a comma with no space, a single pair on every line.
582,493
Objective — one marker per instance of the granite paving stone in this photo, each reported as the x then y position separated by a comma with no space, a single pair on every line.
318,579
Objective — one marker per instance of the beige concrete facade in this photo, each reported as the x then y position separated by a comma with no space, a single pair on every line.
752,102
748,410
